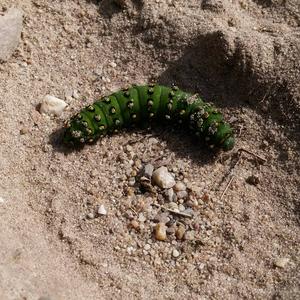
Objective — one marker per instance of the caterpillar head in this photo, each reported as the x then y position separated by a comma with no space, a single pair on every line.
77,132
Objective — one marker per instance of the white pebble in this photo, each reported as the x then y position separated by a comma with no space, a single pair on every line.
91,215
1,200
75,94
130,250
101,210
179,186
182,194
181,207
281,262
142,218
147,247
163,178
52,106
113,64
175,253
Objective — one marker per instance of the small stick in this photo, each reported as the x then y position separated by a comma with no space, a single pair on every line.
227,186
253,154
173,211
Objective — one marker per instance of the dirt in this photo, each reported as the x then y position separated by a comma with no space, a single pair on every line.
243,56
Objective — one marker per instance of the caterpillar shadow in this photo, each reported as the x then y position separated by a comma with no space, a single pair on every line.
178,140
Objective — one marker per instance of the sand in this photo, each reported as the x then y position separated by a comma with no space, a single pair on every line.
243,56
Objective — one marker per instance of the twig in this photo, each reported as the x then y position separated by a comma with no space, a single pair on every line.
241,127
253,154
173,211
227,186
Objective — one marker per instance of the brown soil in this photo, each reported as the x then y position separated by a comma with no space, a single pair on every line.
242,55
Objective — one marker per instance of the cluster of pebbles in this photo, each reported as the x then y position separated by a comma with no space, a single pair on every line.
161,210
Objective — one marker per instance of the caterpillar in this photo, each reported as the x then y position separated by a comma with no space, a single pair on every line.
147,104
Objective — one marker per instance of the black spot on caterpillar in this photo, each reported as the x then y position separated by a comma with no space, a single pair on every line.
145,104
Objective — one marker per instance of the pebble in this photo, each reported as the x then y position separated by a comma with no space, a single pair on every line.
162,218
147,247
91,215
142,218
24,130
182,194
179,186
148,171
10,32
161,232
181,207
68,95
189,235
281,262
169,194
102,210
175,253
130,250
52,106
180,232
163,178
134,224
173,206
75,94
131,181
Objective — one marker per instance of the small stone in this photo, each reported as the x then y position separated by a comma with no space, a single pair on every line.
52,106
68,95
90,215
75,94
134,224
163,178
24,130
130,250
161,232
162,218
101,210
169,194
253,180
281,262
175,253
1,200
173,206
148,171
128,148
181,207
147,247
142,218
113,64
131,181
172,229
182,194
189,235
179,186
180,232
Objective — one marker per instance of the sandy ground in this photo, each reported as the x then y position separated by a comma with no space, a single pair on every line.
242,55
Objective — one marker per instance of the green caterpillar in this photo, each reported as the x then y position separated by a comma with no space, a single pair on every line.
143,105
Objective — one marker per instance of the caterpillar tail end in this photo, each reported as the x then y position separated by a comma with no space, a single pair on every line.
228,144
